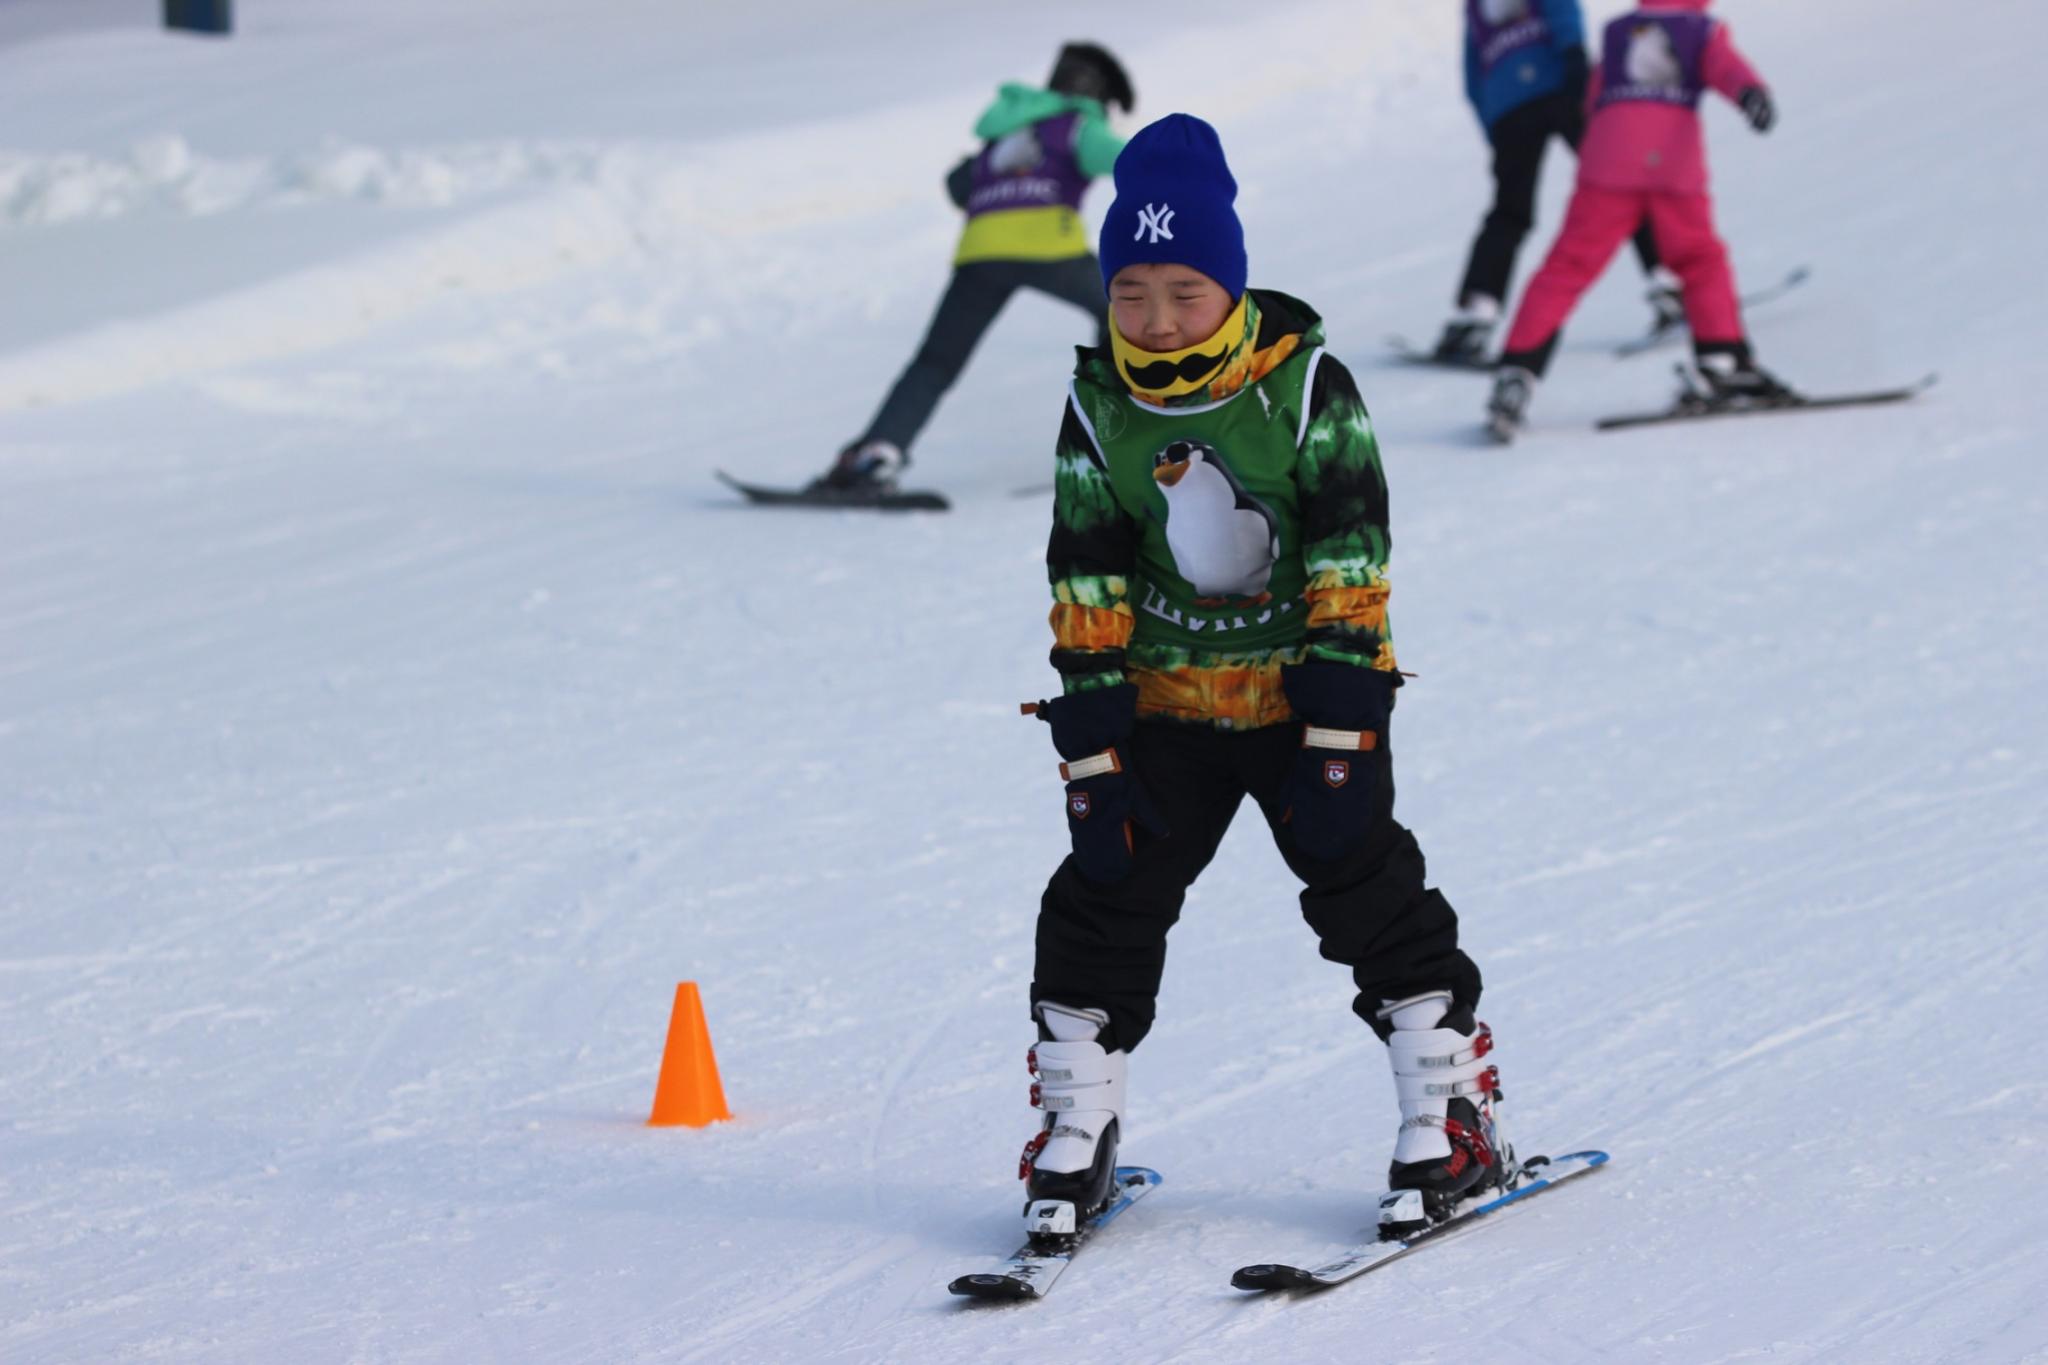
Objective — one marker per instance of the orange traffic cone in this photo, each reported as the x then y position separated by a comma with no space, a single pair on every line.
688,1092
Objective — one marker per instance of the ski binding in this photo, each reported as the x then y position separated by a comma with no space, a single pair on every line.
1055,1235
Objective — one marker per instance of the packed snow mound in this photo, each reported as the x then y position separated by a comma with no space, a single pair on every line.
164,174
529,214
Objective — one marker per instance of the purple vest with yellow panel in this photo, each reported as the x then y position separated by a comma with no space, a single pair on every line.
1032,168
1655,57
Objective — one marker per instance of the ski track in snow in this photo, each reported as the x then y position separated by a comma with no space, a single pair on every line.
392,711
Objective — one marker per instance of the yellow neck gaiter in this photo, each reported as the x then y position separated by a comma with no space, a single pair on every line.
1156,376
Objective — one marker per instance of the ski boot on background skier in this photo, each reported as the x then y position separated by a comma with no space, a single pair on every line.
865,474
1723,378
1666,297
1730,378
863,469
1467,338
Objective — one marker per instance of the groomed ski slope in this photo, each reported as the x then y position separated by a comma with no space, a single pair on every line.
392,710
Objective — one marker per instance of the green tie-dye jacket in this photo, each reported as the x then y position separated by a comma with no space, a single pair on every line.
1280,546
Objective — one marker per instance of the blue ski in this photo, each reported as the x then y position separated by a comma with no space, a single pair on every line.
1030,1273
1538,1174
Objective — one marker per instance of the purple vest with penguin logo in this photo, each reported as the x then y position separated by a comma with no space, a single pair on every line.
1502,28
1654,59
1031,168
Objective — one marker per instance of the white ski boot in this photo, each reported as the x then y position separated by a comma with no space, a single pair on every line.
1452,1145
1069,1166
1468,333
1734,379
864,467
1666,297
1507,409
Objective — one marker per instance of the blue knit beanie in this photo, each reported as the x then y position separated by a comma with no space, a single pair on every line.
1174,202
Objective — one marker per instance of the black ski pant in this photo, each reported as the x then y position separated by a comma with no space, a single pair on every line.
1104,946
976,294
1520,137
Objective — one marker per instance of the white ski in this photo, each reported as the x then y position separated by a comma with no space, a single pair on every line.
1539,1173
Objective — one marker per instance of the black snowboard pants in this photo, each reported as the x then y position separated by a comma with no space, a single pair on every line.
1520,137
1104,946
976,294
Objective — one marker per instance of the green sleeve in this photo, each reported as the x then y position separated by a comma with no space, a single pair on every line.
1089,560
1095,146
1344,525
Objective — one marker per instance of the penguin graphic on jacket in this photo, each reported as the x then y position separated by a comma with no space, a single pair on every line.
1650,59
1224,541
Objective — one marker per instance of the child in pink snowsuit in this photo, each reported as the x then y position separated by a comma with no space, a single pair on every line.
1644,156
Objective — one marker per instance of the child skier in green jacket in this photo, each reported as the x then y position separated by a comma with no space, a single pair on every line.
1022,196
1218,565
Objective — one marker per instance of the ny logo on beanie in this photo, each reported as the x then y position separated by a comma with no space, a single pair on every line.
1175,205
1157,221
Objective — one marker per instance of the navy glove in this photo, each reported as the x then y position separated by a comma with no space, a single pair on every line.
1333,794
960,182
1106,804
1756,103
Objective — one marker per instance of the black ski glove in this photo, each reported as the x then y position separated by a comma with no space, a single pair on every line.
1756,103
1106,804
960,182
1333,794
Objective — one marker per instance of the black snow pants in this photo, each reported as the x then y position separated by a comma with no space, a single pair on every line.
1520,137
976,294
1104,946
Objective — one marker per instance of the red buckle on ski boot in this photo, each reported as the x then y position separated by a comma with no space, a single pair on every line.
1468,1141
1031,1151
1482,1041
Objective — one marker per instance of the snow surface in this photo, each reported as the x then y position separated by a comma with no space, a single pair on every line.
392,710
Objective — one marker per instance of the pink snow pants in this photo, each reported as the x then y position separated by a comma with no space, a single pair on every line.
1595,226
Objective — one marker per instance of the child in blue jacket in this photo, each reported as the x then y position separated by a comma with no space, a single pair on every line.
1525,74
